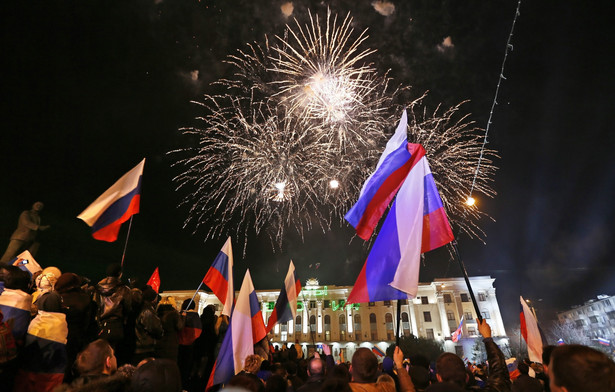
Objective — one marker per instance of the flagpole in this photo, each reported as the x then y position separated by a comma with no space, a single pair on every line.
126,243
467,279
195,293
398,322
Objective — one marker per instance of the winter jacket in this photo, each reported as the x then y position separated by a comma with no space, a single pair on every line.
499,380
114,299
148,328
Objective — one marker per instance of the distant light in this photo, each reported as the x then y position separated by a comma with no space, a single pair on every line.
334,184
470,201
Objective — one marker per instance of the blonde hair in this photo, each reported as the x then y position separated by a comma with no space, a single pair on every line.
252,364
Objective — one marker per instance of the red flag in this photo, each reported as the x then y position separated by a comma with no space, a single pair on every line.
154,280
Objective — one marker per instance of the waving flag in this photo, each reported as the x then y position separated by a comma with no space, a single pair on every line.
219,278
530,332
115,206
245,329
376,350
380,188
415,224
286,306
604,342
457,334
154,280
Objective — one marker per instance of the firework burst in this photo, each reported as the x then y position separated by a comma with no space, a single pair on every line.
300,126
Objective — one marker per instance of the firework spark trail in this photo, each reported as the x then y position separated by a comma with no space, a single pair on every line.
453,145
301,114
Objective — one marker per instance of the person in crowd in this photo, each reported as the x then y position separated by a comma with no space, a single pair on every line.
543,375
291,370
148,327
192,329
168,345
277,383
204,349
364,372
576,368
96,366
157,375
45,297
114,305
451,371
80,313
24,237
16,303
265,370
525,383
245,382
316,375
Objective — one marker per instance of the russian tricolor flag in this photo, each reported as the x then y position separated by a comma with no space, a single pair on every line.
531,332
286,306
219,278
15,306
115,206
245,329
192,329
378,351
44,354
415,224
604,342
380,188
458,332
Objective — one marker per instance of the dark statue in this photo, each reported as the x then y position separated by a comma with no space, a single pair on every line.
24,237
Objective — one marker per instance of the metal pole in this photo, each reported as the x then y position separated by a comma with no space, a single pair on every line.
192,299
125,245
398,322
467,279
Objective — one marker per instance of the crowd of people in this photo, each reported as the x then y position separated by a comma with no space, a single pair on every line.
61,332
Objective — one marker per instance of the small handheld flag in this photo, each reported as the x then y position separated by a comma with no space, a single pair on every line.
219,277
530,332
114,207
245,329
457,334
376,350
154,281
286,306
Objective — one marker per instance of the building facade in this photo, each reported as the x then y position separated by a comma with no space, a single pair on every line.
324,317
595,318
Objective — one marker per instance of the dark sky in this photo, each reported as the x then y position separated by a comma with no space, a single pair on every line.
91,87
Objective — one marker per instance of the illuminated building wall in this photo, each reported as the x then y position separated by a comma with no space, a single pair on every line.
595,319
324,317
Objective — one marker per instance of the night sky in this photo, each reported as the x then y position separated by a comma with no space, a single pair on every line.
91,87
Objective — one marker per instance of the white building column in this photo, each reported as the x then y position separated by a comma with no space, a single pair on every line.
446,330
350,321
306,318
496,317
415,328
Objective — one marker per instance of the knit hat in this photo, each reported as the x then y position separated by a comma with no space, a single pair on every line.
68,281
